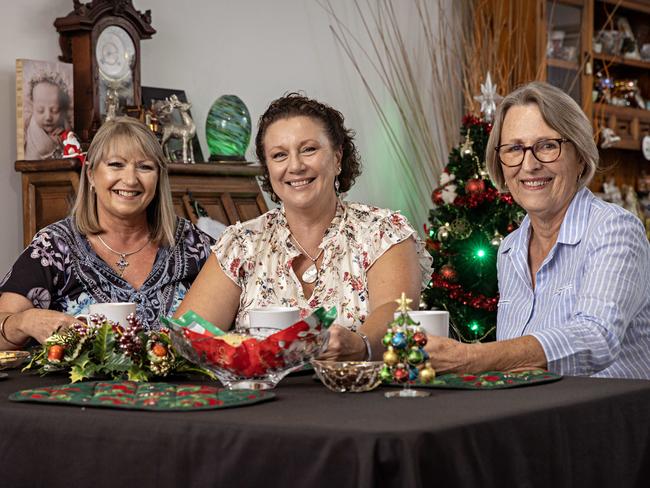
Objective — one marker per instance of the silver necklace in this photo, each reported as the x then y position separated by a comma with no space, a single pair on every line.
122,263
311,273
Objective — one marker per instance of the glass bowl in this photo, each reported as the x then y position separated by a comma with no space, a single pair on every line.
12,359
256,358
349,376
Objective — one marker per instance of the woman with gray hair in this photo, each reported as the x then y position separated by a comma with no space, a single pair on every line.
573,278
122,243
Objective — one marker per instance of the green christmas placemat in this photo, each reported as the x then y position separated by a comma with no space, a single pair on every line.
142,396
489,380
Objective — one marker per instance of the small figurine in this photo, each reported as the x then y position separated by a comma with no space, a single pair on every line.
184,131
71,146
112,104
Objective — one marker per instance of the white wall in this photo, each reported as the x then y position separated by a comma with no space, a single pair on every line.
256,49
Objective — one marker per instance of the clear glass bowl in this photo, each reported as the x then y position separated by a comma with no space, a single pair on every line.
349,376
257,358
12,359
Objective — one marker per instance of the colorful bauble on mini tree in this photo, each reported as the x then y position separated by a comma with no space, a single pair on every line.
405,357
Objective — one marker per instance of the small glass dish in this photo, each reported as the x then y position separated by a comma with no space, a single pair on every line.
348,376
12,359
256,358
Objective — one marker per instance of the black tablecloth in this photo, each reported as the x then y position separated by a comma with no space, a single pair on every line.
575,432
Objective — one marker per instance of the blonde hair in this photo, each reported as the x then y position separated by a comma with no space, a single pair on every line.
160,212
561,113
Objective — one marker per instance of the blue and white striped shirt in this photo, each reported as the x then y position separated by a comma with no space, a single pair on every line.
590,308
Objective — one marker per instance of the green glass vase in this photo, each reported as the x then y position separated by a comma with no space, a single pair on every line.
228,129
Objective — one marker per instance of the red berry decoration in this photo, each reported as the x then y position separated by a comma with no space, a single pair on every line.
55,353
475,185
448,272
159,350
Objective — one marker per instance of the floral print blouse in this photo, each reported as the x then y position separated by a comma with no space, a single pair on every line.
60,271
258,255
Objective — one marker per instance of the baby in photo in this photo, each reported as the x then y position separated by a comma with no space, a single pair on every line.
50,100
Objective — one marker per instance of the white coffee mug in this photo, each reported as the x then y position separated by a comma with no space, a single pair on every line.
273,317
115,312
434,322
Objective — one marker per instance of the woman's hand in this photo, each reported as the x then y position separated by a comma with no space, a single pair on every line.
447,355
344,345
37,323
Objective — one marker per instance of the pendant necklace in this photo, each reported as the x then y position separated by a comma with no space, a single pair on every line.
311,273
122,263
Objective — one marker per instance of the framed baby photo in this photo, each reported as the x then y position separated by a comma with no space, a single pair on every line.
153,102
44,108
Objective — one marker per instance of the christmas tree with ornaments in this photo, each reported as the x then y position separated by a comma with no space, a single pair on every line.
469,220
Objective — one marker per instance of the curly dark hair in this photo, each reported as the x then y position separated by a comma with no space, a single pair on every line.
295,105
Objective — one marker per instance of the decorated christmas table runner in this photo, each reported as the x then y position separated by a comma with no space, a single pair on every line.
142,396
489,380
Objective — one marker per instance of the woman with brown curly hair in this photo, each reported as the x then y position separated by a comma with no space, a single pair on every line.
314,250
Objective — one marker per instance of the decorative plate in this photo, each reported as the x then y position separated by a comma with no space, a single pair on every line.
142,396
489,380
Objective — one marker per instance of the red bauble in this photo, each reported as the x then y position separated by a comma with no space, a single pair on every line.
448,272
510,227
433,245
420,339
401,375
436,197
475,185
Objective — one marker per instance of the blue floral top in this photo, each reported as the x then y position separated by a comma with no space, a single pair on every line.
60,271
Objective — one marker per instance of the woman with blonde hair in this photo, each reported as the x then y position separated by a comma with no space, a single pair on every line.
573,277
121,243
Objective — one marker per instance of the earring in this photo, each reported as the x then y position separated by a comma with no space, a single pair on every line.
337,185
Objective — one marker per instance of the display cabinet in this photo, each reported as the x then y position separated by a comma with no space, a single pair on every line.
581,48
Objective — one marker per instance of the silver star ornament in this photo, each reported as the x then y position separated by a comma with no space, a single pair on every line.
488,98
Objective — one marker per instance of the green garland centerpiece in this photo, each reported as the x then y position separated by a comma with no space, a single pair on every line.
104,349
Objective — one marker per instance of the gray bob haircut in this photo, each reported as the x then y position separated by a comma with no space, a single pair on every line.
137,136
561,113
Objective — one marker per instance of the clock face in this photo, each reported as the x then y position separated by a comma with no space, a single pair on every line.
115,53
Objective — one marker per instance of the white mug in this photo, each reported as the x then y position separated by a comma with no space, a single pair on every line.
115,312
434,322
273,317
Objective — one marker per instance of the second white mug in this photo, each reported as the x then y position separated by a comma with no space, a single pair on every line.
434,322
115,312
273,317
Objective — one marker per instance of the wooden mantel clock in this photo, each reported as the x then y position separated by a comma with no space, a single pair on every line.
101,39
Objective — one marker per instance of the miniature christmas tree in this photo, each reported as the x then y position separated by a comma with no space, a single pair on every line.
468,222
405,357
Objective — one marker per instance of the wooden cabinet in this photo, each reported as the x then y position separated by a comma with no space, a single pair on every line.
564,50
228,192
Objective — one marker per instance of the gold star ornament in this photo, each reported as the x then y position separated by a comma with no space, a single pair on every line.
403,303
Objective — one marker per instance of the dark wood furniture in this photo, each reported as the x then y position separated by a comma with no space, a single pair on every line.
228,192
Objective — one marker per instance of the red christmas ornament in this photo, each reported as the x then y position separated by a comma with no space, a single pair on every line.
433,245
475,185
401,375
448,272
510,227
420,338
436,197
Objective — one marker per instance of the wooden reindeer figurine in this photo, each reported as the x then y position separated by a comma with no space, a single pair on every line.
184,131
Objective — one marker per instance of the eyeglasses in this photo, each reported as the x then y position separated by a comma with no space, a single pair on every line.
545,151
